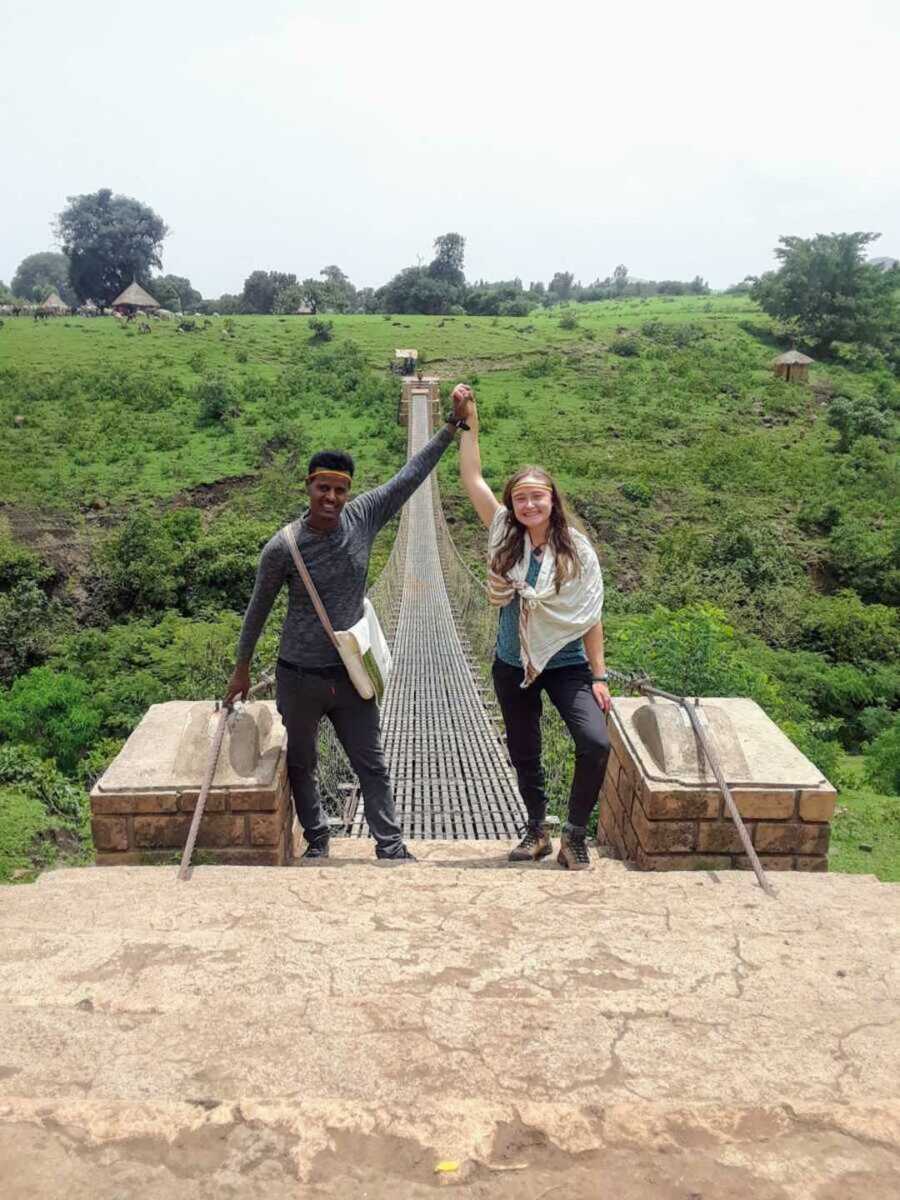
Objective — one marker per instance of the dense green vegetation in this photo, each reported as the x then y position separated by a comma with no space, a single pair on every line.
746,525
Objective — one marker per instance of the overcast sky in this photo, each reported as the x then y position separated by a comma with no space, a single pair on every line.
677,138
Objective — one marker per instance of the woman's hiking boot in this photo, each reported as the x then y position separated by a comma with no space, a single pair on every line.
533,846
573,851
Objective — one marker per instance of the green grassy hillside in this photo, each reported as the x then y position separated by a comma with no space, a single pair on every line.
746,526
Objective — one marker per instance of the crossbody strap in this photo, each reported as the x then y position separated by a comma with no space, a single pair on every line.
288,534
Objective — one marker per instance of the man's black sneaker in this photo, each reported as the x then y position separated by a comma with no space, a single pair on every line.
316,850
534,845
573,852
402,855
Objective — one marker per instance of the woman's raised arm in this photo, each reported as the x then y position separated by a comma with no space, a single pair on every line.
483,499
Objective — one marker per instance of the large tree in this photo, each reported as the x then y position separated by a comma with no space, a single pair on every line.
290,298
174,292
827,291
561,285
109,240
337,292
261,288
40,274
449,259
415,290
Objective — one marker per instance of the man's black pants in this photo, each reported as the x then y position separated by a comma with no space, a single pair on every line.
304,697
569,688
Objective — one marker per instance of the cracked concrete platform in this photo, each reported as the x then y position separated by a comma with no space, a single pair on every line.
338,1029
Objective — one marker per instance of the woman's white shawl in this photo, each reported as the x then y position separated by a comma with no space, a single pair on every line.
548,620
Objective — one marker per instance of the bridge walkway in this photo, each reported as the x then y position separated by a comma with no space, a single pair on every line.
447,762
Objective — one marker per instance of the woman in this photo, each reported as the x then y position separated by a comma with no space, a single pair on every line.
545,578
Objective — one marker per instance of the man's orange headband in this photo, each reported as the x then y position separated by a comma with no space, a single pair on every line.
329,471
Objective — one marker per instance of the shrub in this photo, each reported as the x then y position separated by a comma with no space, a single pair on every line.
874,721
512,308
848,630
159,658
883,760
540,366
217,397
625,347
857,417
27,623
321,330
220,568
692,651
95,762
53,711
18,565
23,821
637,492
21,767
865,559
568,320
815,740
140,568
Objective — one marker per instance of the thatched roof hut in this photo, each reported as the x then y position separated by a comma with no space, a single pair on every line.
793,366
134,299
53,304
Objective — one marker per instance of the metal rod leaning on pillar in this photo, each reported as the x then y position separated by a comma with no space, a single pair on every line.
184,871
713,760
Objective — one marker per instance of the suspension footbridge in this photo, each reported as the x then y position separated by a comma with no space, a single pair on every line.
446,759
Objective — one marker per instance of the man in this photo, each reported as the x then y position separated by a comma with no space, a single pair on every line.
335,537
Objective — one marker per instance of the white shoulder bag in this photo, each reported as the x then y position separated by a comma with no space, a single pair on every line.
363,649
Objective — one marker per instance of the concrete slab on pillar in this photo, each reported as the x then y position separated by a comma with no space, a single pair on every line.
170,746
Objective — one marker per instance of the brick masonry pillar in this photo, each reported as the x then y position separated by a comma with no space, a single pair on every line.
665,824
140,813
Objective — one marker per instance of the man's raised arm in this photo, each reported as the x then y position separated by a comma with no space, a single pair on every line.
385,501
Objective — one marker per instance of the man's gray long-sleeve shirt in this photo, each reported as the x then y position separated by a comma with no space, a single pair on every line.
338,563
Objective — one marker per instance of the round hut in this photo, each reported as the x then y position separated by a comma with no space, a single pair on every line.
793,366
54,306
134,300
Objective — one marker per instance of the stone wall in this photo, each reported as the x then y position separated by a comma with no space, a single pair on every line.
662,825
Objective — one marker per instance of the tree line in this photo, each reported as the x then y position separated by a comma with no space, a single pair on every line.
824,294
109,240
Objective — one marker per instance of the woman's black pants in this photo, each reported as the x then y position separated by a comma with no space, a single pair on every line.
569,689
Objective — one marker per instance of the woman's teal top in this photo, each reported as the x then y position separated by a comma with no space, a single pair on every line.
508,632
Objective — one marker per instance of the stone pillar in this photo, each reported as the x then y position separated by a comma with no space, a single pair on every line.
141,807
428,387
661,809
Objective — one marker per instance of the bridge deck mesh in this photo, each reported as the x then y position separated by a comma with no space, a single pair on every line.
449,769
